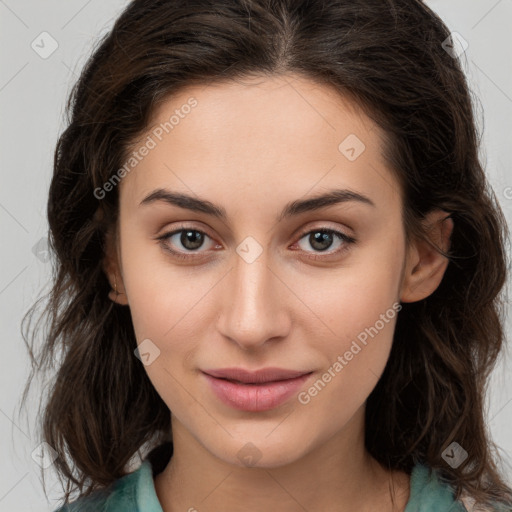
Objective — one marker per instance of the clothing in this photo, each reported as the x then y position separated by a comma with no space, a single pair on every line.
135,492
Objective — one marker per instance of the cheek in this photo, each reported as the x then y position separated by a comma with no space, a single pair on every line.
357,310
168,306
161,295
351,298
165,306
354,365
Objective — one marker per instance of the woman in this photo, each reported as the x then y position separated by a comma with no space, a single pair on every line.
279,265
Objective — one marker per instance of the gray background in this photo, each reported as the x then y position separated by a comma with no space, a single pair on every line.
33,91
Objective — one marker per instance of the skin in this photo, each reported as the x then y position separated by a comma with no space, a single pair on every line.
251,147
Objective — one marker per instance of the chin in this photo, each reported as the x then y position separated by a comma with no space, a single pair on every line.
259,451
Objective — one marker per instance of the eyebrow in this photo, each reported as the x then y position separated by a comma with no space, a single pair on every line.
291,209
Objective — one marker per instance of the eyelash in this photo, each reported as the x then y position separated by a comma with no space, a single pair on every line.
348,240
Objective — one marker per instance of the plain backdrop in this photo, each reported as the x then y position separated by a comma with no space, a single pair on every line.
36,78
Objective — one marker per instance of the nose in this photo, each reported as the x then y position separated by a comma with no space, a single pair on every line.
254,304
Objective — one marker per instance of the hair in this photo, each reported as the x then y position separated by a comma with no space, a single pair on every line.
388,58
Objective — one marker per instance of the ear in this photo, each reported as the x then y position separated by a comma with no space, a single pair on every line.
112,268
425,267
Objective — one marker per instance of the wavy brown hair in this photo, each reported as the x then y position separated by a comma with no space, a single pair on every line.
387,56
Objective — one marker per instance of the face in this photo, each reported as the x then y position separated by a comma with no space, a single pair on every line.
250,273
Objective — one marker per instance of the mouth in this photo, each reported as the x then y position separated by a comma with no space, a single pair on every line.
255,391
264,375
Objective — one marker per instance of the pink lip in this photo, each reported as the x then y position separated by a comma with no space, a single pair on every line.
256,391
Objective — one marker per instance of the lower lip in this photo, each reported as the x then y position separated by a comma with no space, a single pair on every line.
255,397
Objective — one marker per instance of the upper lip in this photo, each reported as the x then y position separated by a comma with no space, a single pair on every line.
258,376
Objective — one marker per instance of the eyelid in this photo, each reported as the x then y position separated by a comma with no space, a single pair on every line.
324,227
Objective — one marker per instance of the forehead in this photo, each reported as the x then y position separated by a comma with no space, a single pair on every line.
258,135
265,104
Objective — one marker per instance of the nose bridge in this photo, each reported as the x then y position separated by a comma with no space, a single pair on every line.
253,312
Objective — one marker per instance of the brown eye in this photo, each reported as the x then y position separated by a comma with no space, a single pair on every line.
191,239
322,239
184,242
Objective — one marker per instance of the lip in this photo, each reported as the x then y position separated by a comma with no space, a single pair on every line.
270,374
261,390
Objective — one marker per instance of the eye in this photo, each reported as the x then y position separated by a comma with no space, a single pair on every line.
322,239
187,239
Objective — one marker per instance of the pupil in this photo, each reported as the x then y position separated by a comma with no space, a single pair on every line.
321,240
191,239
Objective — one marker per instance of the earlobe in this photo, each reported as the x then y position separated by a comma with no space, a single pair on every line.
111,268
115,295
426,266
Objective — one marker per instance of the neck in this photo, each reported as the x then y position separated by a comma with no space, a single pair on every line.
339,474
